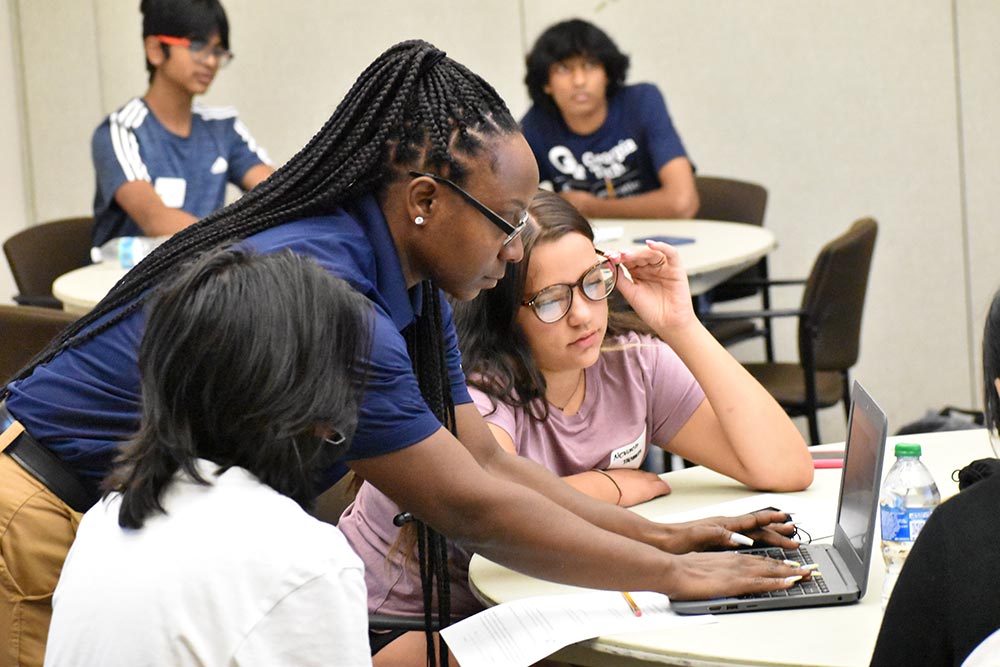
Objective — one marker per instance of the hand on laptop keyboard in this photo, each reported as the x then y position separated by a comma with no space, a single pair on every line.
702,576
764,527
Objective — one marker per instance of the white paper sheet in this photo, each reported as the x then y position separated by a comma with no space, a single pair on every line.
519,633
815,517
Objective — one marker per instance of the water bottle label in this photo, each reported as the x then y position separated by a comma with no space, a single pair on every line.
126,252
902,524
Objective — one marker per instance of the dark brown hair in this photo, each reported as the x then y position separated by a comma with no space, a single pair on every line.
495,352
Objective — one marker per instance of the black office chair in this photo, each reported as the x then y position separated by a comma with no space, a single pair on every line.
731,200
40,254
829,328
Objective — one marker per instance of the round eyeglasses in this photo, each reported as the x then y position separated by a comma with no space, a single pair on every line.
200,50
553,302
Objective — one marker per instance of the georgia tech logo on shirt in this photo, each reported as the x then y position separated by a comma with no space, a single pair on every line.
609,164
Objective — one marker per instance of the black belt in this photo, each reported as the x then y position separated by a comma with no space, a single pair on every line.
45,466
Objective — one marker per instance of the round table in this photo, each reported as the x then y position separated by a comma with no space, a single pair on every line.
712,252
82,288
837,636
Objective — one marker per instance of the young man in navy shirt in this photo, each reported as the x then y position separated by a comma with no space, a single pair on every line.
609,149
161,161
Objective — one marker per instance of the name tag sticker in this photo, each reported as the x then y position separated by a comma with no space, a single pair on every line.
171,191
630,455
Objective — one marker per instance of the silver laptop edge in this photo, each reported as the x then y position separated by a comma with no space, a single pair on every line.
845,564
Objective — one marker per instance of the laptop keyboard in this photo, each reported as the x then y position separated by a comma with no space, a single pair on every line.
800,555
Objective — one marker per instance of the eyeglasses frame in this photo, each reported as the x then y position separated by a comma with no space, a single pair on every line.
530,303
510,230
222,56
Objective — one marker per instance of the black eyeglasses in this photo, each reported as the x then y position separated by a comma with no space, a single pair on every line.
553,302
510,230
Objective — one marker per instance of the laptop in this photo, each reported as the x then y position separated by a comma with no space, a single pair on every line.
845,563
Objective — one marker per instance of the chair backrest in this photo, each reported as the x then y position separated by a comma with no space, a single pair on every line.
24,332
40,254
834,296
731,200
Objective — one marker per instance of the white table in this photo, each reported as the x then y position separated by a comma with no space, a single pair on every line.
82,288
838,636
720,249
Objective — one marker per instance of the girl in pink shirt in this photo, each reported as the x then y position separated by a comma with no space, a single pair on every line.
585,392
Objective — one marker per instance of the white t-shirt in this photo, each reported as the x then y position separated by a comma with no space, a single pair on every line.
233,574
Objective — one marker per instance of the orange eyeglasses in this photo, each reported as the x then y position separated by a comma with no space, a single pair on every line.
200,50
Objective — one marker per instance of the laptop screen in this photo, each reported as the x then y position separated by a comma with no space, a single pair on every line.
859,485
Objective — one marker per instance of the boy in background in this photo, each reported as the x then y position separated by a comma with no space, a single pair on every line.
162,162
609,149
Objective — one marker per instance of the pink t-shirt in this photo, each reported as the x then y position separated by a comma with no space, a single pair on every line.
638,393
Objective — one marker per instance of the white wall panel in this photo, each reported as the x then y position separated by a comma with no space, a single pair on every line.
979,55
62,103
842,109
12,186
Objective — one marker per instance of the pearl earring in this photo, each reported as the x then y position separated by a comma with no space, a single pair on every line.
419,220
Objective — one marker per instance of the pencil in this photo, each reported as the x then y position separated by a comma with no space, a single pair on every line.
610,187
631,603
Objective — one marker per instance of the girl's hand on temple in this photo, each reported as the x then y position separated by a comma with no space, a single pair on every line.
658,290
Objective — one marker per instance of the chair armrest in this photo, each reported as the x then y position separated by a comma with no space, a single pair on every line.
729,315
760,282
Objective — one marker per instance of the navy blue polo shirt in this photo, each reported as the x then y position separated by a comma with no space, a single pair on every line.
85,402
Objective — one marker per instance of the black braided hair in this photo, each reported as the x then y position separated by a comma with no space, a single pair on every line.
413,107
427,353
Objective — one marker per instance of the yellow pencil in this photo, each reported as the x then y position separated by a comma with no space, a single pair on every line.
631,603
610,187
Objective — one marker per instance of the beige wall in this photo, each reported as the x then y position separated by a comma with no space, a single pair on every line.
12,169
842,109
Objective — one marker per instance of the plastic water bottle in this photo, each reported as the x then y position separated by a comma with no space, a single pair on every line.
126,250
908,497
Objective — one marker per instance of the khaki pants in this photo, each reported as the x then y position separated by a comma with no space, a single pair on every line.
36,531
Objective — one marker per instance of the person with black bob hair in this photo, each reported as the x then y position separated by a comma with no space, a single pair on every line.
566,40
417,186
201,551
945,607
163,161
609,149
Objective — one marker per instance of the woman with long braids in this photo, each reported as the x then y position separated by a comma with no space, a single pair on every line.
418,184
586,391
